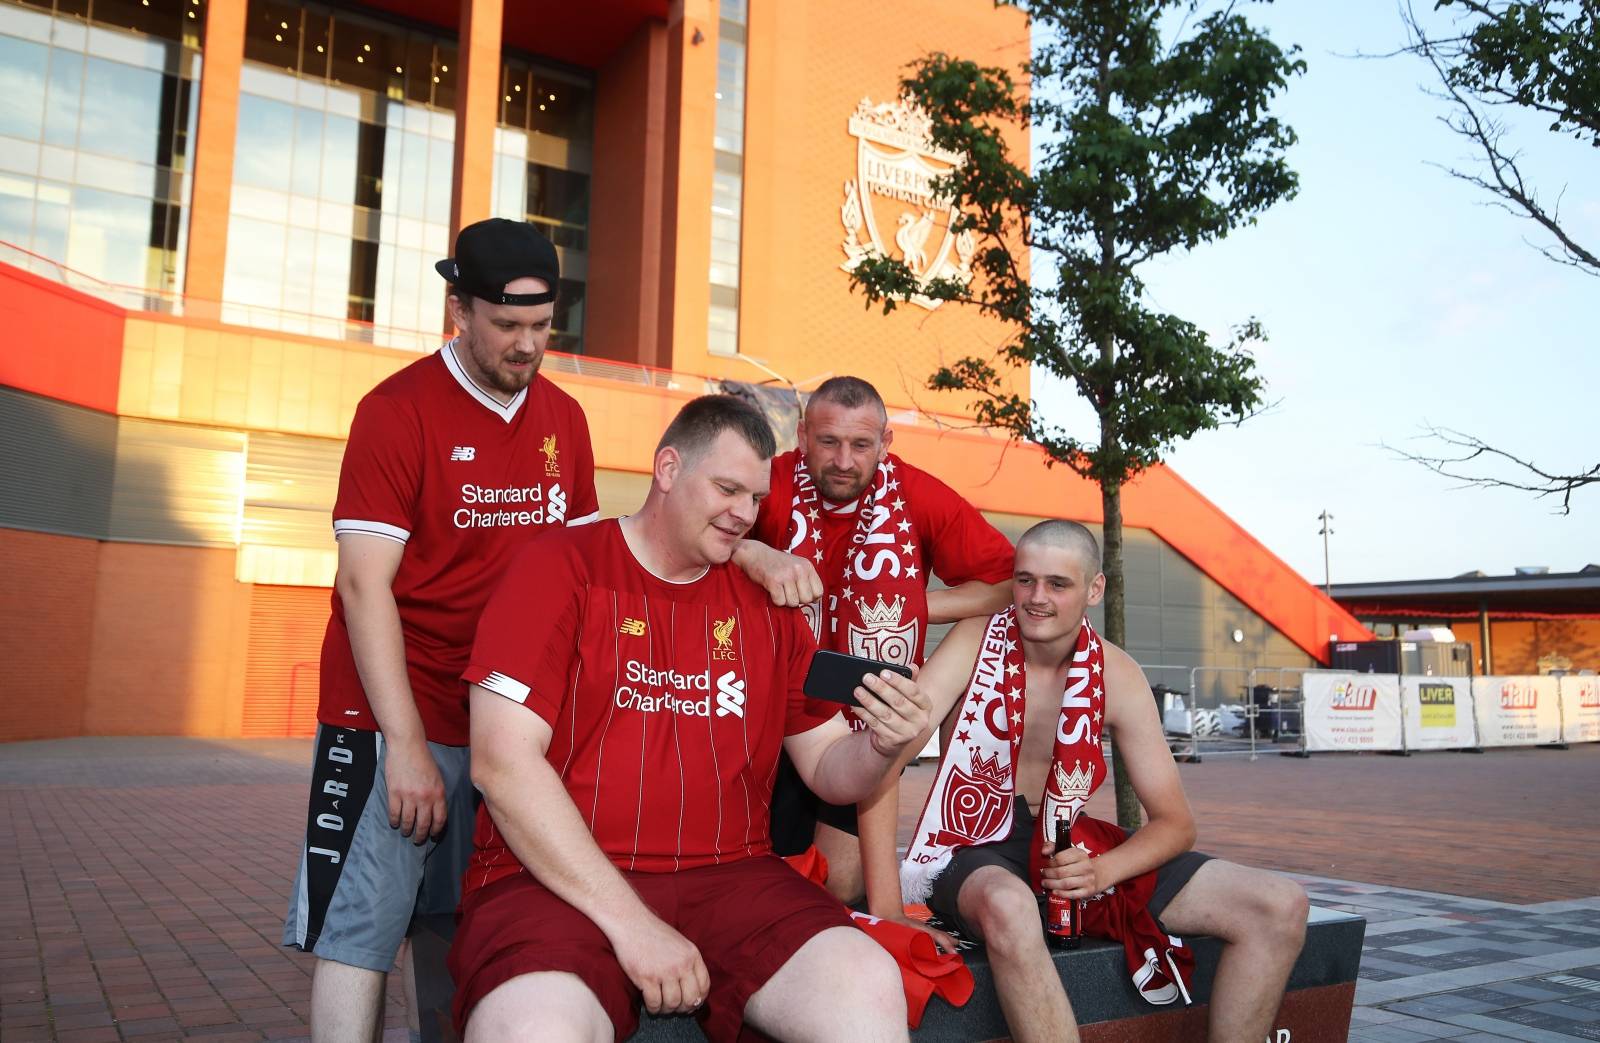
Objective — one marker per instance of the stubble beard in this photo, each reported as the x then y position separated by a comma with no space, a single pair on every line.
489,369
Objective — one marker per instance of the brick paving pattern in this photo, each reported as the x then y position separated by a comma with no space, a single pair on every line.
143,884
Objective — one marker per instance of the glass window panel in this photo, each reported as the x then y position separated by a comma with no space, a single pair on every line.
412,174
561,108
359,53
61,104
306,162
117,175
51,217
19,157
514,96
369,165
121,110
444,76
568,316
510,186
300,258
29,25
441,165
108,235
419,69
162,19
363,269
272,34
562,195
155,55
316,44
266,135
22,87
16,212
340,154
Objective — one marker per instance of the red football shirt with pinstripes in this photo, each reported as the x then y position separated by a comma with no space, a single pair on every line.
667,702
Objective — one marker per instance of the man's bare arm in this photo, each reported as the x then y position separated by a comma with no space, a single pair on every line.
789,580
967,600
365,581
1169,829
843,767
543,828
943,679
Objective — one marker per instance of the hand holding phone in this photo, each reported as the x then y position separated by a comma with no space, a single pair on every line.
834,676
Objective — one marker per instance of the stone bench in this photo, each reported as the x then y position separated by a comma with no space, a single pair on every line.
1316,1008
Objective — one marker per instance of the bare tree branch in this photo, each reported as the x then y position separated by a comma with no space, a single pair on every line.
1464,458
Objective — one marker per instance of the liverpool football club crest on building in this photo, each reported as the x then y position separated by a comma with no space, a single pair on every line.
890,209
884,637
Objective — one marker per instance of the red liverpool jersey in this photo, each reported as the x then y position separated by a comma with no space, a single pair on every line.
667,702
952,539
436,464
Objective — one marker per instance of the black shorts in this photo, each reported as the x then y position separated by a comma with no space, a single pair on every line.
796,812
1013,854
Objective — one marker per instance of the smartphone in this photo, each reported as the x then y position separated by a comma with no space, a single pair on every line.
835,676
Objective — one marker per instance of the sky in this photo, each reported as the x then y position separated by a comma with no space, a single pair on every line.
1392,297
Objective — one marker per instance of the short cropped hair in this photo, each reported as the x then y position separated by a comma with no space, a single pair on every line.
1067,535
698,424
849,392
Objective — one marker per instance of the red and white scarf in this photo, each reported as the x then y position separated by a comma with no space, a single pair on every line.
972,796
875,602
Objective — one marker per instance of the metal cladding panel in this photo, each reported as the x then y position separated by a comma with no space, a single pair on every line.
177,484
290,484
56,463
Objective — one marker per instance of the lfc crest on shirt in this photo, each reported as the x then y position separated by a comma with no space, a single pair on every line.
722,631
883,637
552,465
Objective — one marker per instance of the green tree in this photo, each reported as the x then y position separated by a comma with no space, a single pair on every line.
1154,136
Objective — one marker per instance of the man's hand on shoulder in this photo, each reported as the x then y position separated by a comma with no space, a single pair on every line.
416,790
789,580
666,966
895,710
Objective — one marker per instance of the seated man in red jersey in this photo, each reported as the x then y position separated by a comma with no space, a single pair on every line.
630,693
864,531
1031,689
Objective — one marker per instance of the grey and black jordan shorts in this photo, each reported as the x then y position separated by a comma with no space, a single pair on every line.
360,880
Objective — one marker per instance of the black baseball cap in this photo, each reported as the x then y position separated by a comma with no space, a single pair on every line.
491,253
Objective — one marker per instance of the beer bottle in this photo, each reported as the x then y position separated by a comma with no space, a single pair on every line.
1061,912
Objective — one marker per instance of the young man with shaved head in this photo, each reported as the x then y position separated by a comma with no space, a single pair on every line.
631,691
1030,690
853,533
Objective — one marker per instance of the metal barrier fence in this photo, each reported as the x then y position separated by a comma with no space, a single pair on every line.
1229,710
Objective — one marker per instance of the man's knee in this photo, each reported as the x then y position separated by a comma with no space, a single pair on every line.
543,1006
1004,910
1284,907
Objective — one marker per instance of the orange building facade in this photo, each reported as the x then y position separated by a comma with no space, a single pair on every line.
173,400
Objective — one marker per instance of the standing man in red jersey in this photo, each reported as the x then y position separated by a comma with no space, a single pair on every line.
630,694
452,463
863,530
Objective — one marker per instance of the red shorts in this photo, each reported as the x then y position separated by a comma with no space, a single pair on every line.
747,918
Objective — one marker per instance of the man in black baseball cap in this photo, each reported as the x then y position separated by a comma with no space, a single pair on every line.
453,464
513,269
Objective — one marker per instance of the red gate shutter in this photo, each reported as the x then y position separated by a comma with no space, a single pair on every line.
282,658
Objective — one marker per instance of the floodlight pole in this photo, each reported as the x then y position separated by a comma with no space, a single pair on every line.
1327,530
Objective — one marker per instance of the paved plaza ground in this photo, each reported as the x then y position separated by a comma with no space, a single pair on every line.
143,884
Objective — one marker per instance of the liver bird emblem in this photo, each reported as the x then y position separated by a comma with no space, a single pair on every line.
722,630
912,239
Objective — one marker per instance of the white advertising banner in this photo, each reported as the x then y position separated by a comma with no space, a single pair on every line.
1517,711
1580,709
1438,713
1347,711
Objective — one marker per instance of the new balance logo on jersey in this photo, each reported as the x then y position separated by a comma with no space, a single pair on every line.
463,452
631,627
730,695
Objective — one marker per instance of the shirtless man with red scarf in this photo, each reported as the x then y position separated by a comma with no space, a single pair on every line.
974,869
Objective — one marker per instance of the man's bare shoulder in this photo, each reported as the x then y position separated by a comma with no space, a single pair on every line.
1123,674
